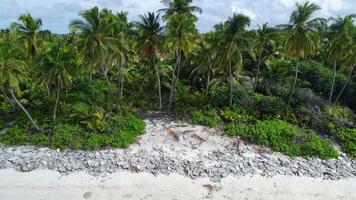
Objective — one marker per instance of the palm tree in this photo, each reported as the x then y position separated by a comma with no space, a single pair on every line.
263,43
12,72
348,64
181,34
340,40
123,32
175,7
94,40
57,66
206,57
301,42
28,28
150,39
232,44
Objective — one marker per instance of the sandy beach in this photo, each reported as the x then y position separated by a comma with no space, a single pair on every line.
51,185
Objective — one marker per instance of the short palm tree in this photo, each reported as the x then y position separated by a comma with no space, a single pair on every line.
150,40
348,64
206,57
263,42
341,39
28,29
94,40
301,42
179,7
57,66
232,45
12,72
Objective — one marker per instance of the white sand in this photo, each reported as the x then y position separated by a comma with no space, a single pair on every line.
50,185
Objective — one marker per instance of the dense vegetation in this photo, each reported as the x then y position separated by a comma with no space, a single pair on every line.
291,87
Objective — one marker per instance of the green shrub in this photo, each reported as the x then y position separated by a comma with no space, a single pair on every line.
129,123
207,117
236,114
284,137
347,137
319,78
314,146
17,135
67,136
270,106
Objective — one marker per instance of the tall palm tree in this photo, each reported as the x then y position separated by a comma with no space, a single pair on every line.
232,44
348,64
125,35
150,40
263,43
301,42
57,67
181,34
12,72
28,29
179,7
94,40
340,39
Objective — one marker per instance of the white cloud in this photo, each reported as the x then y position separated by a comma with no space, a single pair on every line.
56,14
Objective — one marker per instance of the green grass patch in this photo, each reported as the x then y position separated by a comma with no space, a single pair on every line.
284,137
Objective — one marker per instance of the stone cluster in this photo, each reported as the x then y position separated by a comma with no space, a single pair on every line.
195,152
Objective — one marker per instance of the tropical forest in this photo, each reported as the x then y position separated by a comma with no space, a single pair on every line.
289,87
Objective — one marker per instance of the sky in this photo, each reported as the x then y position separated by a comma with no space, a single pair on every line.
56,14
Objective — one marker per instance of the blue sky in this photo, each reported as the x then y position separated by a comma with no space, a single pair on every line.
56,14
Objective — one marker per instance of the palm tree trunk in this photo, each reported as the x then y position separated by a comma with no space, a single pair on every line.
121,78
333,83
230,82
158,82
24,110
48,90
258,72
105,73
56,105
345,85
208,78
173,84
91,72
295,82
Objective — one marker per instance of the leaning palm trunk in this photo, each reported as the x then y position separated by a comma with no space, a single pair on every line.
230,82
295,82
56,105
258,72
345,85
159,84
174,79
333,83
121,77
24,110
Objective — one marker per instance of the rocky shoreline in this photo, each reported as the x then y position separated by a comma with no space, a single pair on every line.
172,146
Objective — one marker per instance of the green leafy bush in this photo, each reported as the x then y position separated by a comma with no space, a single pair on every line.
237,114
207,117
314,146
284,137
270,106
66,136
347,137
17,135
319,78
